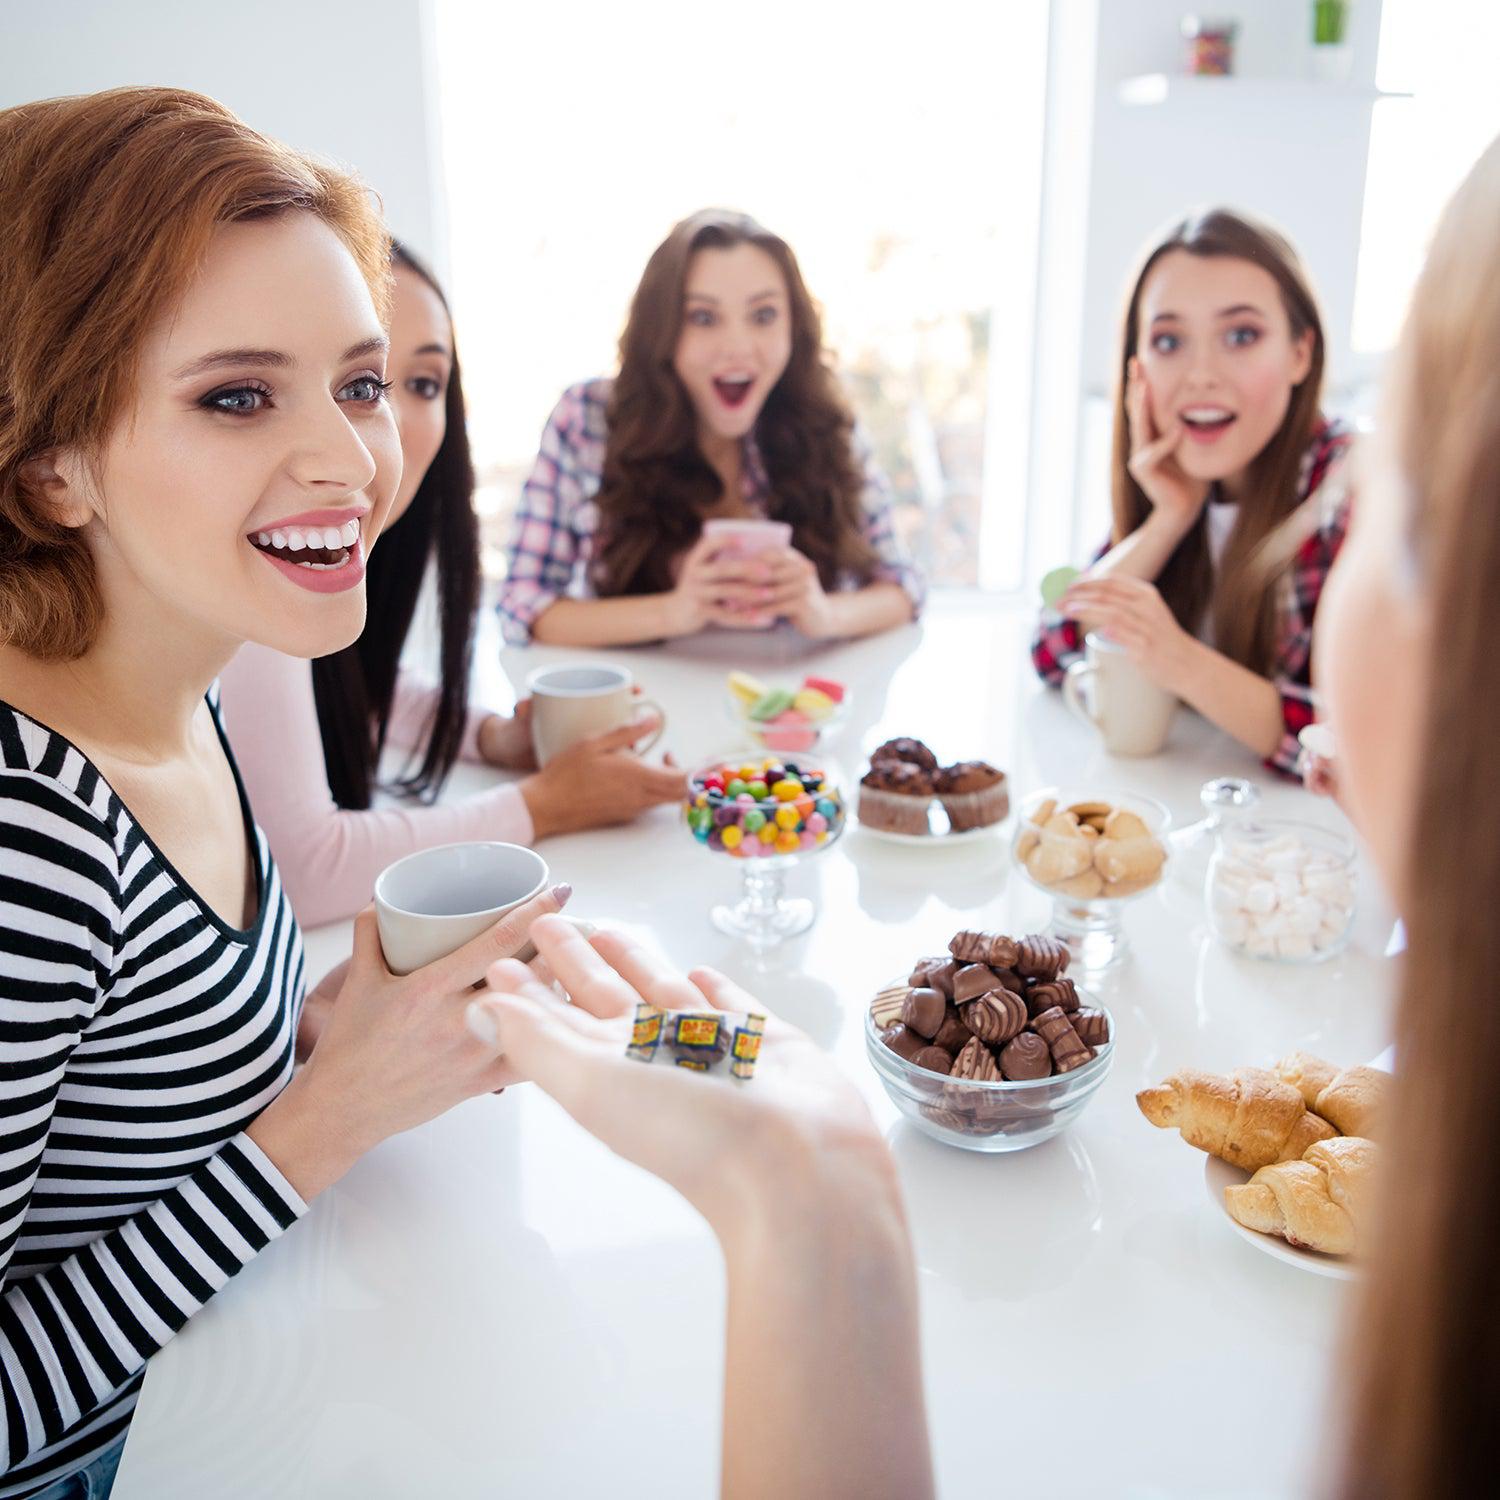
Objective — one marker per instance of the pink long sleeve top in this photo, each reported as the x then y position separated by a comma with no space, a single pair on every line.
329,856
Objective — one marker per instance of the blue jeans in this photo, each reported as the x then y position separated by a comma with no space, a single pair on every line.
93,1483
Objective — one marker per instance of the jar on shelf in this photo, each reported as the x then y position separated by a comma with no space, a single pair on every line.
1209,46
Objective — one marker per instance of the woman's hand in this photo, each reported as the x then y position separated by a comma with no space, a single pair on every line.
795,592
599,782
1132,613
717,587
717,1142
1153,464
505,741
393,1052
316,1007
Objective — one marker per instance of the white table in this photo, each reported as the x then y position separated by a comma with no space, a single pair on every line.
494,1305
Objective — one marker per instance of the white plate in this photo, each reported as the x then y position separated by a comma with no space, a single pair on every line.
1218,1175
928,840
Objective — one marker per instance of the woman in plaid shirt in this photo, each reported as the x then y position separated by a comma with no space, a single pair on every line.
1228,494
724,407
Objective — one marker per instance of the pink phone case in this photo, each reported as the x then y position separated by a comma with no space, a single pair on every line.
747,537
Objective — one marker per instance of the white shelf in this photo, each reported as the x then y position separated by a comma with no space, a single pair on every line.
1149,89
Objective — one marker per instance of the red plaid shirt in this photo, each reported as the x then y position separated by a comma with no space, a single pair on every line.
1059,642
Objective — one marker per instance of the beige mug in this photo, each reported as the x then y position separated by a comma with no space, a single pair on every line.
434,901
1130,711
569,704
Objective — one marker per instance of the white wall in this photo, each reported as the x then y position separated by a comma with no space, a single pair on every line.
349,82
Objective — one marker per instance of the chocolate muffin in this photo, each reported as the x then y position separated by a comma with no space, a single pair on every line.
973,794
913,752
894,796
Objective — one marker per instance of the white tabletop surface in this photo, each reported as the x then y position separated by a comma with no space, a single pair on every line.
494,1305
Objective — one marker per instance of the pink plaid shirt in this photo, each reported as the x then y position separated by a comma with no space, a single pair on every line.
553,536
1059,642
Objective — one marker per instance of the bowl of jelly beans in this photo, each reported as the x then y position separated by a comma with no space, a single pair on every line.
766,813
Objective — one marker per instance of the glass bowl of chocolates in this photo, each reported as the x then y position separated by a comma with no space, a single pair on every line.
764,813
990,1046
1091,854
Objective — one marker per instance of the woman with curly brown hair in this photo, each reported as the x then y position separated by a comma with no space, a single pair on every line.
725,408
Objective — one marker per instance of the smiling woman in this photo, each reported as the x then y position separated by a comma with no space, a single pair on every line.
194,360
725,407
1228,496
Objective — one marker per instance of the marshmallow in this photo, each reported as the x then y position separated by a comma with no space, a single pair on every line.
1281,898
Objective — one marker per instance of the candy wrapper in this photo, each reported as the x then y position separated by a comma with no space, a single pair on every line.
711,1041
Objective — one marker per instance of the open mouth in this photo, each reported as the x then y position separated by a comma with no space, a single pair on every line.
1205,423
732,391
321,549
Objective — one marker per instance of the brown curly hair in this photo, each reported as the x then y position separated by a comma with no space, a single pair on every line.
657,485
107,205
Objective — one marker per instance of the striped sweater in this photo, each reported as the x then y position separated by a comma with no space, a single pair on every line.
139,1035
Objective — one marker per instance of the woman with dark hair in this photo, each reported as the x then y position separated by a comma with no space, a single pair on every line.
1227,486
724,408
309,742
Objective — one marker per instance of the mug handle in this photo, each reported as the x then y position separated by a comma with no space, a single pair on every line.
636,705
1072,689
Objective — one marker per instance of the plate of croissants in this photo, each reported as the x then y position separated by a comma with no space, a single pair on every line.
1291,1152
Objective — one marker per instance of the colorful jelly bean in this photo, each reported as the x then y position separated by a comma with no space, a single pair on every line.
762,808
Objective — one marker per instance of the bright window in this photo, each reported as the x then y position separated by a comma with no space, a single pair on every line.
1422,147
898,151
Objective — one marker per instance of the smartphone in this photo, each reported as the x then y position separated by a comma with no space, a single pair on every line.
746,537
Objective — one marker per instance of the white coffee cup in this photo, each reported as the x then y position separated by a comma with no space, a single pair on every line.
432,902
1130,711
569,704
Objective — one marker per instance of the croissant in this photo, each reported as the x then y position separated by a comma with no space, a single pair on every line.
1350,1100
1249,1119
1319,1203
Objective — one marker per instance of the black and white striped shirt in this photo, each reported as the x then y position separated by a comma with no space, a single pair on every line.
139,1035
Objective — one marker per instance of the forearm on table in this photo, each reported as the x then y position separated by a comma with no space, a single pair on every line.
1145,552
1241,702
624,621
822,1379
867,610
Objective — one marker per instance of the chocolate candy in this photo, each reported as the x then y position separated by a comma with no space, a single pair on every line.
1024,1058
921,974
1068,1052
934,1059
923,1011
941,978
995,1017
702,1041
975,947
697,1038
976,1063
972,981
953,1036
1062,993
1040,957
1091,1025
902,1041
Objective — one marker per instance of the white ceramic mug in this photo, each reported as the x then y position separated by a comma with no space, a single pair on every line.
569,704
1130,711
432,902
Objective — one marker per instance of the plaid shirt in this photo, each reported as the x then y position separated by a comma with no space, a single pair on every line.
553,538
1059,642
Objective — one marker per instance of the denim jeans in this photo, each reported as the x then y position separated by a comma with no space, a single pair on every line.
93,1483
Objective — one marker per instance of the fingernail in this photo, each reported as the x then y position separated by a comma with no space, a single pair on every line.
561,892
483,1023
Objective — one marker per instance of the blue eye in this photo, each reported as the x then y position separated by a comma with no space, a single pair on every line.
370,389
1165,343
765,315
700,317
1242,338
237,400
